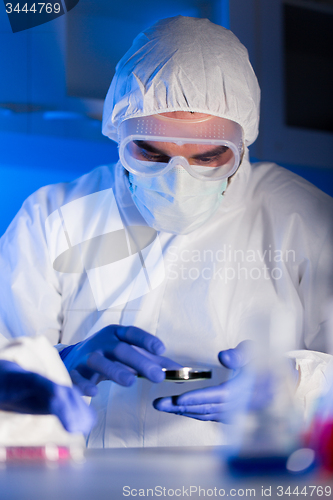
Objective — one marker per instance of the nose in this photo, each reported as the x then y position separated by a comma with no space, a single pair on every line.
179,161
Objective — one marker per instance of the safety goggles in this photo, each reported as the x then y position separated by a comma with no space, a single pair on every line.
209,148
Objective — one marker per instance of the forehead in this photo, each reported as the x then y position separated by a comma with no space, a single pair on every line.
181,128
185,115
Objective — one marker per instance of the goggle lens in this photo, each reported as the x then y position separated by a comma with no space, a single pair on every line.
208,148
205,160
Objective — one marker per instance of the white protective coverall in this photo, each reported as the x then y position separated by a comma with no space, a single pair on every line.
79,256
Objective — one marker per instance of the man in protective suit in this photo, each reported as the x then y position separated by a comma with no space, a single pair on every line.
183,245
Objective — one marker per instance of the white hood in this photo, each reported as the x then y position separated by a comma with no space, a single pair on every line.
184,64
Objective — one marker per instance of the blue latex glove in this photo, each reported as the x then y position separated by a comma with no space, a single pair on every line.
117,353
22,391
219,403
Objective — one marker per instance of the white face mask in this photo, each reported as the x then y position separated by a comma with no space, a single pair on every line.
176,202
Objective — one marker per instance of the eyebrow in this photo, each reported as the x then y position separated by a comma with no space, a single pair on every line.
148,147
213,152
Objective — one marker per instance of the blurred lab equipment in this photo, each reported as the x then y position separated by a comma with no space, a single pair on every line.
267,435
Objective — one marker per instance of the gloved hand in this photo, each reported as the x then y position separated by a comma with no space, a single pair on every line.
22,391
219,403
117,353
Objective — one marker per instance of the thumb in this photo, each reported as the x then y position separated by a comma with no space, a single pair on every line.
237,357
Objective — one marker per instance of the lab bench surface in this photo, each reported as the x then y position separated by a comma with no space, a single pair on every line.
114,474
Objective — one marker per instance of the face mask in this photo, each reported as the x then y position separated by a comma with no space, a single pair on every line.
176,202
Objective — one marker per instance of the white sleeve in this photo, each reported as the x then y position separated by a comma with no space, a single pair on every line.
314,377
315,291
29,289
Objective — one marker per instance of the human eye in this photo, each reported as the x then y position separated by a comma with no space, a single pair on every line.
208,159
148,156
213,159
